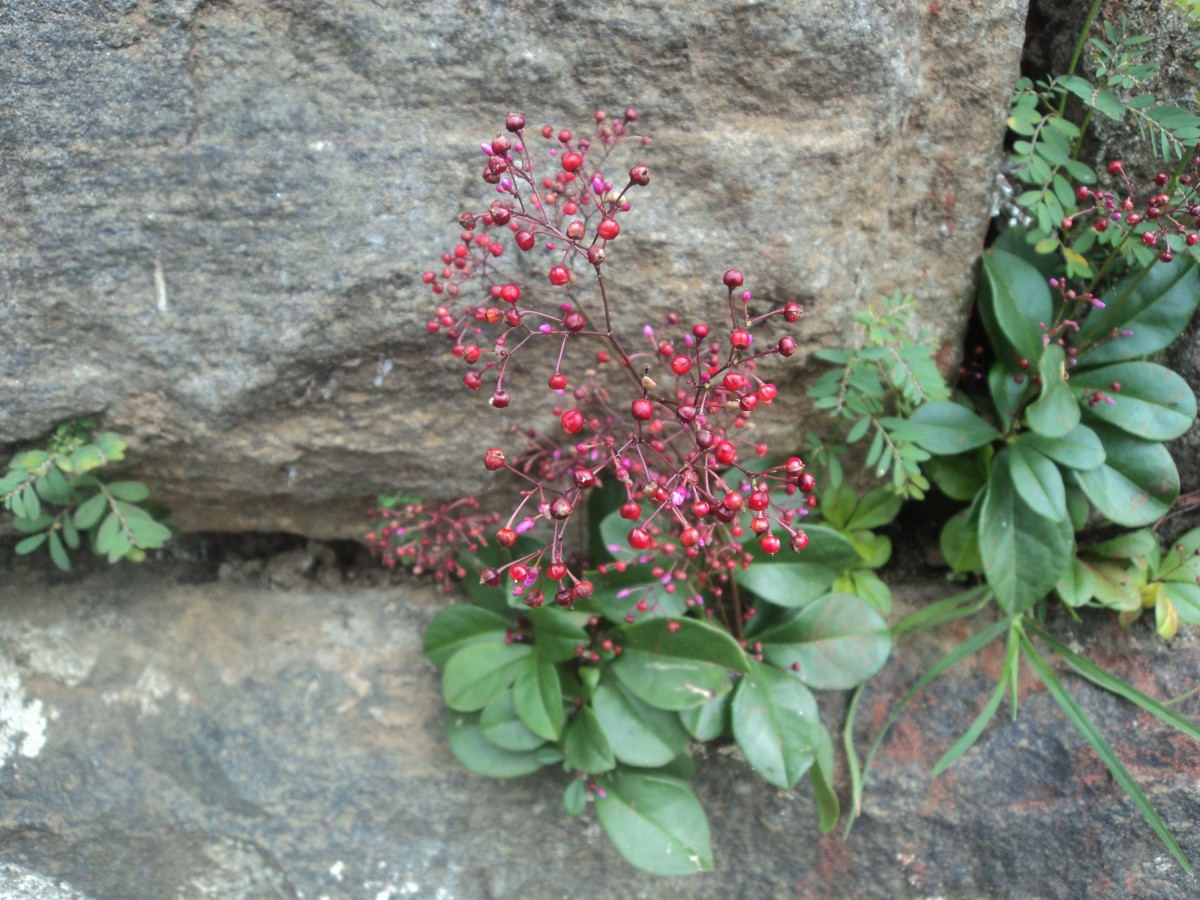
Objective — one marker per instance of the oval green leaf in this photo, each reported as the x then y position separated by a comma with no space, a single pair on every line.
1024,554
478,672
775,724
501,726
458,626
1037,480
947,428
1153,402
481,756
1137,483
656,823
835,644
1079,449
640,734
538,697
585,744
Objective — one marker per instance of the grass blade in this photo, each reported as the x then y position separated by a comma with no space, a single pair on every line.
1103,749
963,650
964,743
1111,683
856,782
958,606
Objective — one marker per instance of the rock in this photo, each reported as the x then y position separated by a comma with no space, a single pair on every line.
200,738
214,218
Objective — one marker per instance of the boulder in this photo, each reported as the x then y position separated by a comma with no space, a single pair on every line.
214,217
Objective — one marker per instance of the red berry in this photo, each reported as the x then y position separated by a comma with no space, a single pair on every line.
734,381
515,122
584,478
639,539
740,339
500,399
792,311
807,482
525,240
470,353
534,599
510,293
572,421
473,380
506,537
1115,167
726,453
561,508
1161,179
758,501
686,413
769,543
766,393
518,573
700,330
556,571
490,577
608,228
559,275
571,162
582,590
631,510
748,402
558,381
639,175
794,466
689,537
574,321
643,409
799,541
493,459
787,345
733,278
596,254
681,365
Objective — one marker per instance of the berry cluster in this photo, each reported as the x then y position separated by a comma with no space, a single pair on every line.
430,537
1165,222
669,417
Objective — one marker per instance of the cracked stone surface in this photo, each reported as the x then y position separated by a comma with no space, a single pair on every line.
182,737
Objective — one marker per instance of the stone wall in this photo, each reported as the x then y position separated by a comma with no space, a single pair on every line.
214,215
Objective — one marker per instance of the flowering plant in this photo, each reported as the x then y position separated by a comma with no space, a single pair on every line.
651,635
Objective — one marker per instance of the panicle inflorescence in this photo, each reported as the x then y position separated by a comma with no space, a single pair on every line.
668,415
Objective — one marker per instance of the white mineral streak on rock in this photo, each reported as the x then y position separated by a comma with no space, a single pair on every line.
22,724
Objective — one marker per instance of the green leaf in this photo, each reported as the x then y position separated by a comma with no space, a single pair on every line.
959,542
1079,449
28,526
575,797
1014,301
775,724
90,511
58,554
617,594
834,644
1137,483
656,823
796,579
667,675
1077,585
1156,304
1055,413
709,720
1037,480
70,535
458,626
960,477
685,639
1024,554
967,741
111,540
502,727
585,744
640,734
1103,749
947,428
86,458
482,757
478,672
33,506
871,589
1008,388
538,697
557,633
147,533
29,544
1153,403
130,491
878,508
824,796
